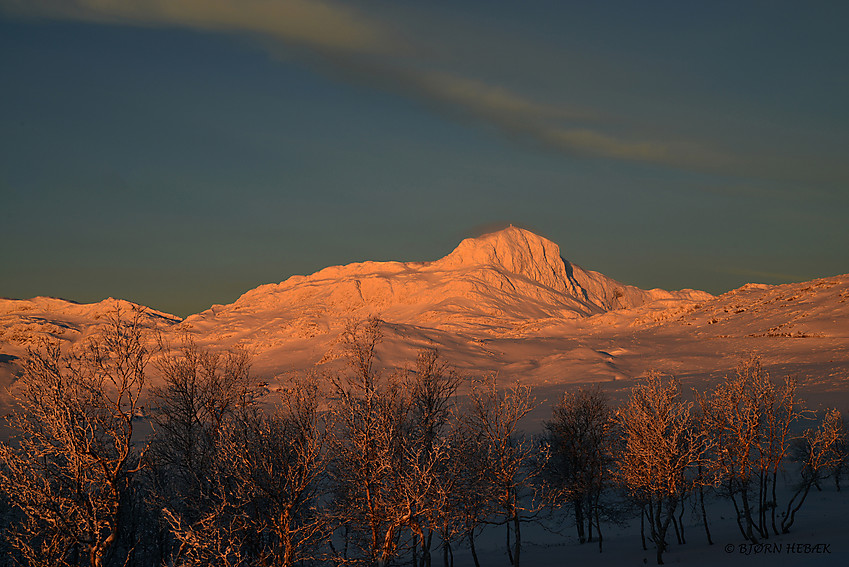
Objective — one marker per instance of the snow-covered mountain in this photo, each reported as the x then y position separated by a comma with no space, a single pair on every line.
23,322
505,302
489,285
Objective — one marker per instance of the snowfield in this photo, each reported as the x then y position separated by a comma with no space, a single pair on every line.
818,538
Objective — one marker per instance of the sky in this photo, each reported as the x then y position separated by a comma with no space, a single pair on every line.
178,153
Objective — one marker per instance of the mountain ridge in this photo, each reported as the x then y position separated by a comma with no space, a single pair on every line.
490,284
504,260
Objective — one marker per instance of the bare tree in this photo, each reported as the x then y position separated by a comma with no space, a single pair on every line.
579,438
493,419
471,494
393,470
75,455
432,475
707,472
660,449
268,474
818,451
842,454
371,414
201,391
751,418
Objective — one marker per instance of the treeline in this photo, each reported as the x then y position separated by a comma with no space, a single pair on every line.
374,468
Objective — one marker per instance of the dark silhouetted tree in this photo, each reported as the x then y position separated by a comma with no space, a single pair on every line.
579,438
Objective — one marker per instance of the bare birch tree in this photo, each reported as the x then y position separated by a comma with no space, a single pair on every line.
818,451
493,419
842,454
432,479
392,470
74,457
579,438
268,481
201,390
371,415
660,449
471,495
751,419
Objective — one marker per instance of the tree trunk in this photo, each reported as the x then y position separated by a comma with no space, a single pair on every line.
509,545
518,543
747,515
598,525
447,554
416,554
652,522
790,515
100,549
739,517
472,547
286,539
762,505
579,519
426,549
704,513
774,502
681,519
663,527
387,547
375,537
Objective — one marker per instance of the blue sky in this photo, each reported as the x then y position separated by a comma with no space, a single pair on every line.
178,153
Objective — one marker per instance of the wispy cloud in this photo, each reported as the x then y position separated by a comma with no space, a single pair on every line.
492,101
364,49
313,23
569,130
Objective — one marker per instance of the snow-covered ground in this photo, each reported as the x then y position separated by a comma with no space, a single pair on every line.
817,538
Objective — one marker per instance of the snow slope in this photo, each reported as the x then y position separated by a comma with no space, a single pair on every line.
24,321
505,303
508,283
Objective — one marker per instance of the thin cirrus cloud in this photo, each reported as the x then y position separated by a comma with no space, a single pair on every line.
518,116
365,50
312,23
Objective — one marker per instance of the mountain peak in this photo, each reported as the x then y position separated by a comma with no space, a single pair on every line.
514,250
